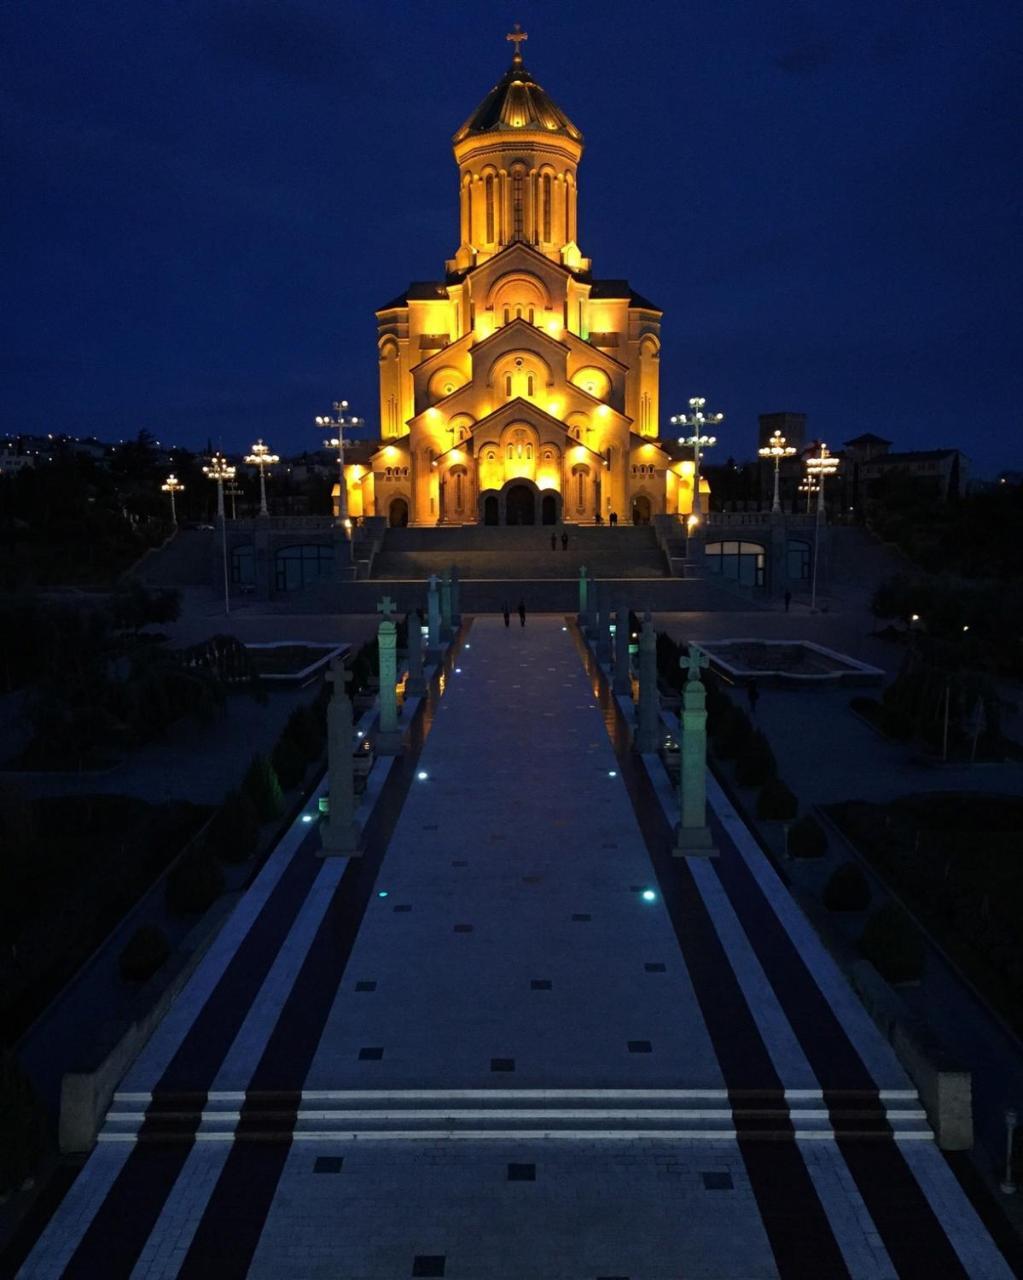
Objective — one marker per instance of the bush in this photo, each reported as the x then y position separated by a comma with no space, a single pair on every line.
893,944
733,732
755,763
263,788
288,762
776,801
144,953
847,889
21,1124
234,831
194,884
808,839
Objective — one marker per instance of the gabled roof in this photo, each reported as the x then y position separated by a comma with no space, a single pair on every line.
418,291
868,437
621,289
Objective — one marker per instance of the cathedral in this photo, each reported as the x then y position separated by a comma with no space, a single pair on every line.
520,388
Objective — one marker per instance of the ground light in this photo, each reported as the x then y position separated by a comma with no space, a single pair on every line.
648,895
422,775
307,817
382,893
611,773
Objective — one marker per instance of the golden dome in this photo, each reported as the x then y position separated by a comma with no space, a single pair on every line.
517,102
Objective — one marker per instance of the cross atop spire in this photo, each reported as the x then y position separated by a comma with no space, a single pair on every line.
516,36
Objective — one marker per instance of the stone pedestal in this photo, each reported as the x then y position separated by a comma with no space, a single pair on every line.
445,606
692,837
339,833
584,585
648,728
456,598
622,675
388,736
603,623
433,616
415,686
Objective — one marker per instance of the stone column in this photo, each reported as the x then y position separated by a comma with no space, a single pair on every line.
648,729
622,676
456,597
692,837
388,736
584,586
445,605
416,684
433,616
604,623
339,834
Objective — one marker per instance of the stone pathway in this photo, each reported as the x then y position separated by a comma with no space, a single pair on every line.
517,1039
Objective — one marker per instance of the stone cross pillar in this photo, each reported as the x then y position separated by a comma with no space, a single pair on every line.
416,683
583,596
339,834
445,605
622,676
604,622
388,736
456,597
692,837
433,615
648,730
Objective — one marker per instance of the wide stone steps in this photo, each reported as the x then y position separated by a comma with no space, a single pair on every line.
516,1114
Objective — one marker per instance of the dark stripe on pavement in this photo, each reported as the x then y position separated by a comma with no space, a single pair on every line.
797,1227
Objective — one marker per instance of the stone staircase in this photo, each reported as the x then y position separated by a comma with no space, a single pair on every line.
422,1115
518,554
185,560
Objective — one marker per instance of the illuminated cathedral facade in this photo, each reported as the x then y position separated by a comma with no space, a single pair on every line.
520,388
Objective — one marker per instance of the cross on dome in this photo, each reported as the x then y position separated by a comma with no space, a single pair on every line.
516,36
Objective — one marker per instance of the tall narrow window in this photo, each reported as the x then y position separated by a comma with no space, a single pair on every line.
568,197
581,490
458,491
529,385
547,208
517,198
530,315
507,385
507,315
468,197
489,190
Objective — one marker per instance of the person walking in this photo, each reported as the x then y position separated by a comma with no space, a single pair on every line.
564,540
522,613
788,600
507,614
554,542
597,519
612,519
753,697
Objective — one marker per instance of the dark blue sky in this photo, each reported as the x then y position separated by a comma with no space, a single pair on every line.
206,200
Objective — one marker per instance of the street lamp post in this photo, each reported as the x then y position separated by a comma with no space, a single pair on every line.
337,424
777,449
819,466
697,421
220,470
262,458
809,487
172,486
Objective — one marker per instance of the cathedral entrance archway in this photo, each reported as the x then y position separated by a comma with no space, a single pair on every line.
641,509
491,509
549,509
397,513
520,504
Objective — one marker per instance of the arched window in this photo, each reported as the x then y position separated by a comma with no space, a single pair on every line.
517,203
518,313
508,385
547,207
580,487
458,490
511,452
468,196
529,452
488,186
507,315
529,384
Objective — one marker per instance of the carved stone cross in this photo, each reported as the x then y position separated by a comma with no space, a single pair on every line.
339,676
695,661
386,607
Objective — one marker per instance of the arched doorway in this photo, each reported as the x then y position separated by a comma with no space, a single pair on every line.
548,509
640,509
520,504
491,510
397,513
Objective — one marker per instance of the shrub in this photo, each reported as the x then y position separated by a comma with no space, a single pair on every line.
288,762
21,1124
733,732
776,801
755,763
234,830
194,884
144,953
263,788
808,839
847,889
893,944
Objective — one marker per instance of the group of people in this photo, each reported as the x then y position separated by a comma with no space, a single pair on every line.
507,613
612,518
564,541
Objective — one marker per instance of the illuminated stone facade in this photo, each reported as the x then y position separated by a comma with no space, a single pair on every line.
520,388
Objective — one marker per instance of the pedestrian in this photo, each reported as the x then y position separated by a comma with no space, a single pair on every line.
554,542
522,613
597,519
753,696
507,614
788,600
564,540
613,519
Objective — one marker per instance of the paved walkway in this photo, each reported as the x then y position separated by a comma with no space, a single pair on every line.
517,1039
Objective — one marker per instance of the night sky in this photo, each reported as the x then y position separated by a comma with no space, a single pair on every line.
205,202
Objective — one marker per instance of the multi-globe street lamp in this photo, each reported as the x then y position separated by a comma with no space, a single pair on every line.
173,485
809,487
777,449
337,424
697,421
219,470
262,458
819,466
